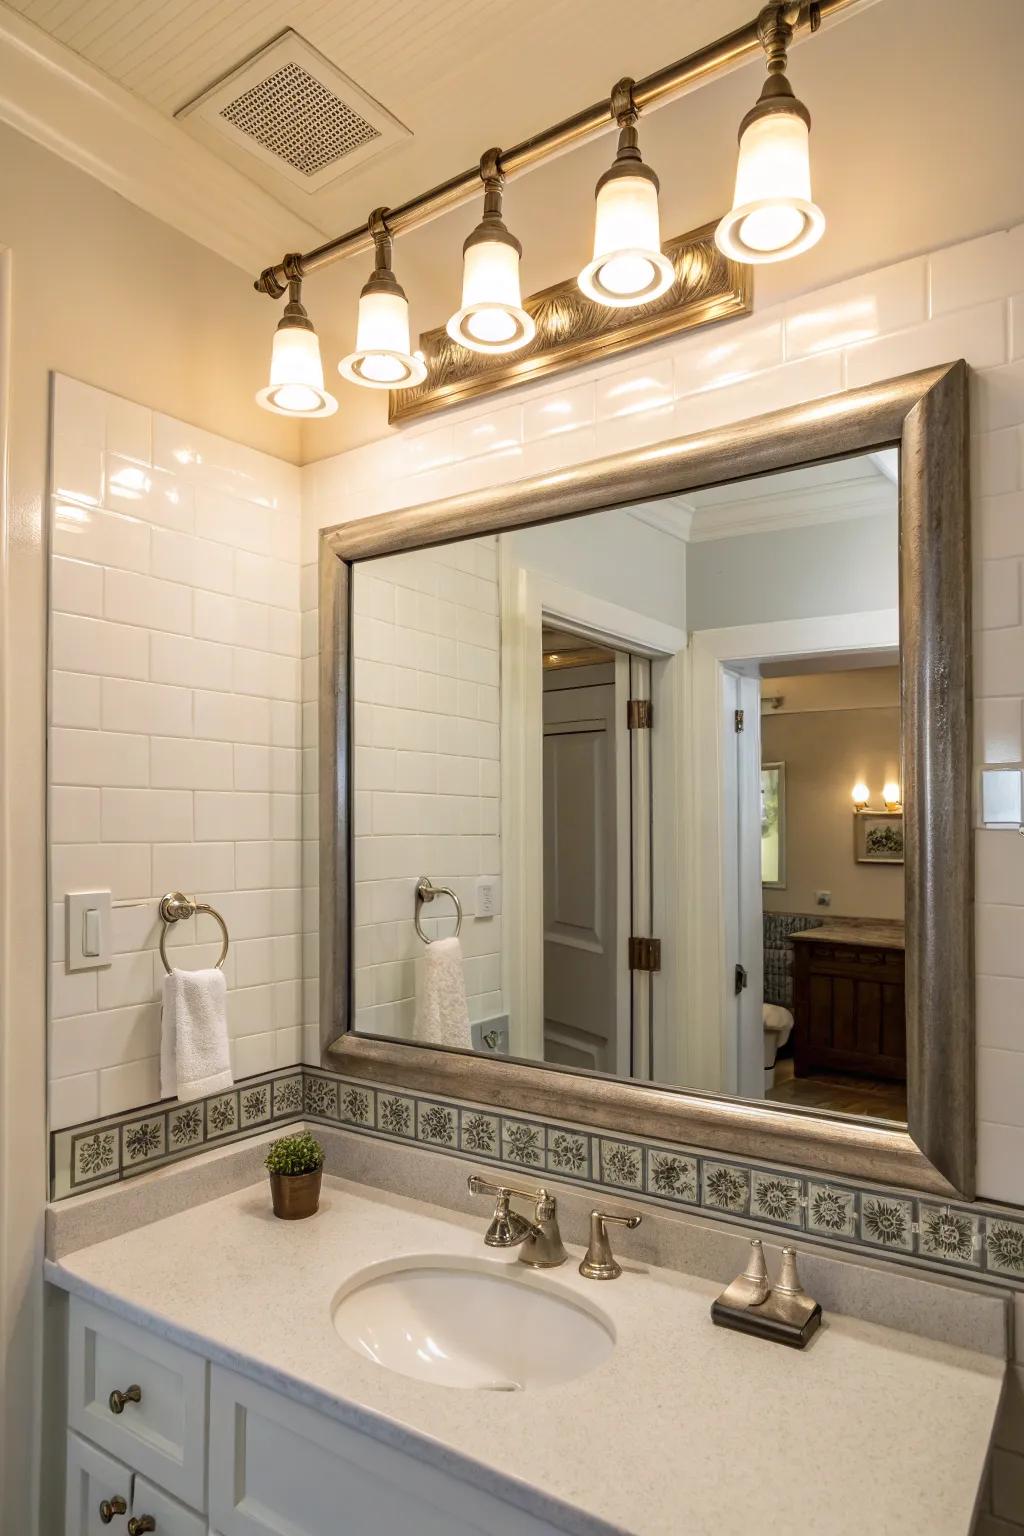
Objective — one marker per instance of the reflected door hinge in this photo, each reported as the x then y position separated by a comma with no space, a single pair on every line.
639,714
644,954
738,719
740,978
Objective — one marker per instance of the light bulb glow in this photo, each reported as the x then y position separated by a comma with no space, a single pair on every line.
628,267
891,795
382,358
772,217
296,385
492,317
861,795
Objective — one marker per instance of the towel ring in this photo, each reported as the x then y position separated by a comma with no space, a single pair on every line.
425,891
175,906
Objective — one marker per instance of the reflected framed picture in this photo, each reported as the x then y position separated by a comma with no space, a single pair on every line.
773,825
878,837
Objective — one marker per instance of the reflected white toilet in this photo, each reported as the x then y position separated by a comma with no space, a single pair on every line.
778,1026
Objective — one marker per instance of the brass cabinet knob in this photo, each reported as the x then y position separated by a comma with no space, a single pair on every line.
111,1507
139,1523
132,1394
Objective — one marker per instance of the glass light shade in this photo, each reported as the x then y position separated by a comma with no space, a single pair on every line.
891,795
628,267
382,358
296,385
772,217
492,317
860,795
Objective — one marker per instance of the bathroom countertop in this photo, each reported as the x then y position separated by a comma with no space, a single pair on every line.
877,933
685,1430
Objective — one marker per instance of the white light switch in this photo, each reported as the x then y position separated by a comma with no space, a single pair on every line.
488,896
87,943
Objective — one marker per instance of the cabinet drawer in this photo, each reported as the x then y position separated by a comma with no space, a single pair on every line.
163,1434
93,1477
172,1518
280,1469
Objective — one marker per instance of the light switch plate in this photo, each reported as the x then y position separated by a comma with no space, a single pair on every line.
488,896
87,930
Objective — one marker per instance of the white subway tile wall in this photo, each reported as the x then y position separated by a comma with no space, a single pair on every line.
425,692
174,736
966,301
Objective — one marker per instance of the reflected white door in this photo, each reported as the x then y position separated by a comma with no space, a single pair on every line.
581,939
743,1055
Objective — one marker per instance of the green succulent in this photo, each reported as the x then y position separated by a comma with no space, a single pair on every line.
295,1154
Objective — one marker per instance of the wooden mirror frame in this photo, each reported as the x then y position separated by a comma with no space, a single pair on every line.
924,414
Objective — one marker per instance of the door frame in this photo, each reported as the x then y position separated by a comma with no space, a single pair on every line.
709,880
529,599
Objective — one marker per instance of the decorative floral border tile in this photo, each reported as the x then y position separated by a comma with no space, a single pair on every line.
956,1238
832,1210
777,1197
671,1176
479,1133
567,1153
887,1221
725,1187
622,1164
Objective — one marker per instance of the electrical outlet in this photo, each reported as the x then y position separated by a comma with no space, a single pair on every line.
823,898
488,896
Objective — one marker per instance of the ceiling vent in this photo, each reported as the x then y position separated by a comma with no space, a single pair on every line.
297,113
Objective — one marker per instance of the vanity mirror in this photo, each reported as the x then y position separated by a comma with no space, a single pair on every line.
680,741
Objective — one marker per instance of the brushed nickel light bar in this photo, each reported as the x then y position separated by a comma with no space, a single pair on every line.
654,91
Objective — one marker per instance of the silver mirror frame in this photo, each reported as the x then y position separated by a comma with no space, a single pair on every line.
926,415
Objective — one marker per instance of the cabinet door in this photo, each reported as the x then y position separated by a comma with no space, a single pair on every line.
280,1469
92,1479
163,1433
172,1518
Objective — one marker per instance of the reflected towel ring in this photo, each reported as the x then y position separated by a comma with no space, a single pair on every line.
425,891
173,908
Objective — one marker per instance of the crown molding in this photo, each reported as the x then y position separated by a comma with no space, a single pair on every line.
673,516
57,99
839,502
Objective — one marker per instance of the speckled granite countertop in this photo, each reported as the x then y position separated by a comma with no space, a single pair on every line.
871,933
686,1430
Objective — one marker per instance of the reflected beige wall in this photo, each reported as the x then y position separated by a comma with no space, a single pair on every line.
831,731
105,293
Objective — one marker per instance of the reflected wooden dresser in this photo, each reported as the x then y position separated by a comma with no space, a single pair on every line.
849,1010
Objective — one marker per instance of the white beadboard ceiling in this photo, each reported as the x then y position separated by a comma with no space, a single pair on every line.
458,74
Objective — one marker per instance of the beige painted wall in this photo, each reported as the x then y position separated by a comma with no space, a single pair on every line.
828,741
896,168
108,294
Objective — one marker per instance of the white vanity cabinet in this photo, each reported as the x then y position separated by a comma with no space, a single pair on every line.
199,1450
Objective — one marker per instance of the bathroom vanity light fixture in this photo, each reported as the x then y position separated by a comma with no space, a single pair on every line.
628,267
383,356
296,385
492,318
773,216
861,797
891,795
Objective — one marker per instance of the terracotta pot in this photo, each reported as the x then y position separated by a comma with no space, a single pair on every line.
295,1195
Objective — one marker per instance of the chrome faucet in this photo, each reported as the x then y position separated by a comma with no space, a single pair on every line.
540,1239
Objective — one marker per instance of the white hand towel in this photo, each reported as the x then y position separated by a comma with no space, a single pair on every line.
194,1055
442,1017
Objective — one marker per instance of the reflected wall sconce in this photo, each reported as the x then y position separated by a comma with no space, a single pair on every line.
383,356
627,267
861,797
773,217
492,318
296,385
891,795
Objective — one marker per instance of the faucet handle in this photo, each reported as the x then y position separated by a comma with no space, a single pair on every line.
599,1263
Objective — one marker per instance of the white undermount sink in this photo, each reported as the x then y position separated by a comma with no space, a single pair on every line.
472,1324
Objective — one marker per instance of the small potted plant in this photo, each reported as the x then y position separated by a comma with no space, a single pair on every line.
295,1165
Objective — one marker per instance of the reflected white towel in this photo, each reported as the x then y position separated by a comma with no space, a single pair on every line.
194,1055
442,1017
